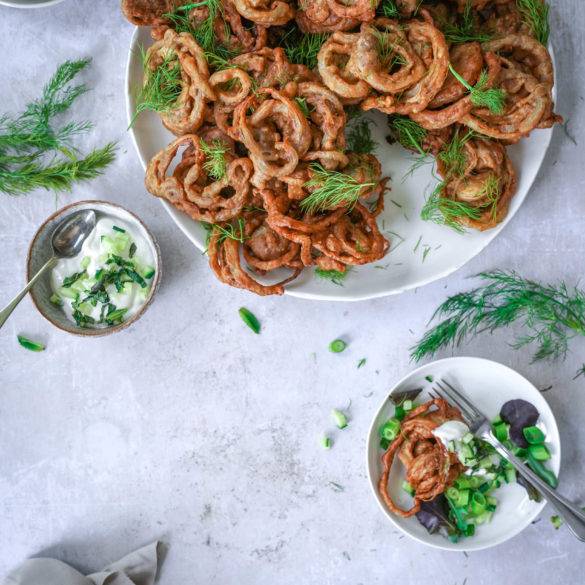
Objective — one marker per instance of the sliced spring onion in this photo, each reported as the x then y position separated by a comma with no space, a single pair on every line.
407,405
539,452
149,272
85,262
467,438
384,444
56,300
29,344
339,418
390,429
118,229
326,442
540,470
132,250
478,503
399,412
250,320
500,431
337,346
533,435
68,293
556,521
510,475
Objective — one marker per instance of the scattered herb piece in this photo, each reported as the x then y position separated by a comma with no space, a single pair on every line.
118,229
337,487
408,133
132,250
304,106
359,137
556,521
250,320
443,211
535,14
362,363
429,379
335,276
580,372
30,345
303,48
426,250
416,246
388,9
331,189
552,314
493,98
215,164
337,346
465,30
326,443
339,418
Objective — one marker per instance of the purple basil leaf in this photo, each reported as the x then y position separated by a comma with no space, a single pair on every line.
519,414
434,515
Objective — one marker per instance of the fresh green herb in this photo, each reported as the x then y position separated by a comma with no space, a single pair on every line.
330,189
163,85
250,320
408,133
30,345
452,154
464,31
304,106
551,314
303,48
429,379
228,231
337,346
56,300
416,246
118,229
426,250
362,363
388,9
359,137
326,443
494,98
535,14
132,250
215,164
27,139
449,212
580,372
339,418
337,487
69,280
335,276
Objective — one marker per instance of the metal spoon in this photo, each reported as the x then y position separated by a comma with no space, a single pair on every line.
66,241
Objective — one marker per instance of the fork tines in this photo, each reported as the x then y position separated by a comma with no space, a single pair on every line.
449,393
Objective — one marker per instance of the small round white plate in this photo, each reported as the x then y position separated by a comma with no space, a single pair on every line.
489,385
421,252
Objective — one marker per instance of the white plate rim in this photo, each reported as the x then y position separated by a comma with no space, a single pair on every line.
175,214
439,542
27,5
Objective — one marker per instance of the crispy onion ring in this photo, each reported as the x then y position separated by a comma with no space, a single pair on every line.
191,190
317,17
430,468
338,69
486,161
148,12
276,133
429,43
266,12
233,34
401,68
435,119
224,259
364,10
191,106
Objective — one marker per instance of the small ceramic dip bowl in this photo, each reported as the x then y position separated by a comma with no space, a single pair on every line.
40,251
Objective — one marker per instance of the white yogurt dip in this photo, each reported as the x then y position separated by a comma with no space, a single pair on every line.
109,280
451,430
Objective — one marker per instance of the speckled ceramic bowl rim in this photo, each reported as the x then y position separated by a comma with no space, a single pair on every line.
27,5
97,332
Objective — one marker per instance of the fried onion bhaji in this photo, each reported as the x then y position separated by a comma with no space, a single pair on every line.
260,138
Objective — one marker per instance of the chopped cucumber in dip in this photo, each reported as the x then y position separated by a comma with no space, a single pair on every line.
109,280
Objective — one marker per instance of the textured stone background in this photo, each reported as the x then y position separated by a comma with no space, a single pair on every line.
188,428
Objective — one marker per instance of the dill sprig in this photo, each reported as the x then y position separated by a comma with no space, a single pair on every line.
408,133
27,140
535,14
335,276
448,212
494,98
215,164
302,49
465,30
452,153
359,137
388,9
304,106
551,314
331,189
162,87
228,231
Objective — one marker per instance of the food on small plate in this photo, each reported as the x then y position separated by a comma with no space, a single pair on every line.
452,476
109,280
261,95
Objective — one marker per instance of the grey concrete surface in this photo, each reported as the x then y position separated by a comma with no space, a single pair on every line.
186,427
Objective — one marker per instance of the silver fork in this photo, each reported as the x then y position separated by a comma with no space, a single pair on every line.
479,425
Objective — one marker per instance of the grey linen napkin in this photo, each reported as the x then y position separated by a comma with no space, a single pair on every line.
137,568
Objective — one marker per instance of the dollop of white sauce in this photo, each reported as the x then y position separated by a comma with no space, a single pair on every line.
133,296
452,430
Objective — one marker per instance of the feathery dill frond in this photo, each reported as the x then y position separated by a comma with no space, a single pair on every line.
494,98
215,164
535,14
359,137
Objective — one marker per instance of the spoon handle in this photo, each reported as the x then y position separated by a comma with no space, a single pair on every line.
5,313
